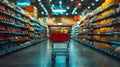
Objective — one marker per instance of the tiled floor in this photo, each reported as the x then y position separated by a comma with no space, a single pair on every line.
40,56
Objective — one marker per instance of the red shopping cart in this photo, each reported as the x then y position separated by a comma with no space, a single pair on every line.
59,34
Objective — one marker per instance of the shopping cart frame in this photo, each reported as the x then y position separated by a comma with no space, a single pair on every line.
64,38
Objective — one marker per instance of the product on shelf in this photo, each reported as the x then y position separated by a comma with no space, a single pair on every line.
102,29
103,45
117,28
117,50
116,38
104,22
106,3
103,37
16,29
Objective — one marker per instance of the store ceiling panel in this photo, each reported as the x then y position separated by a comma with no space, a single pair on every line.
65,7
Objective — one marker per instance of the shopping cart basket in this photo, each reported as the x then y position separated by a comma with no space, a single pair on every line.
59,37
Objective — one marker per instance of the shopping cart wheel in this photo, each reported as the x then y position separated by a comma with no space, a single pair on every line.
67,58
53,58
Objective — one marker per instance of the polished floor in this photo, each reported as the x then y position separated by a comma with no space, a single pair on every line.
39,55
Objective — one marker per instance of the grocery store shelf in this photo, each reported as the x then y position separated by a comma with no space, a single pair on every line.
12,33
24,45
108,52
11,41
35,36
17,30
107,33
9,6
114,14
105,41
15,17
107,25
11,24
104,33
107,8
20,19
37,26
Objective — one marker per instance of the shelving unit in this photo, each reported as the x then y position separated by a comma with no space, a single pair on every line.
101,31
17,30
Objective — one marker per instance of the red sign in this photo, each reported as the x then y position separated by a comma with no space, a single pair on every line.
76,18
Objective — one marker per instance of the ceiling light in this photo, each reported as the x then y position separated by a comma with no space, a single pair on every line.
60,2
27,4
53,5
41,5
93,4
88,7
66,13
79,4
74,10
97,0
60,23
39,0
50,0
59,10
42,12
82,0
71,0
68,7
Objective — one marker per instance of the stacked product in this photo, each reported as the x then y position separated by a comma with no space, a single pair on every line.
16,29
102,30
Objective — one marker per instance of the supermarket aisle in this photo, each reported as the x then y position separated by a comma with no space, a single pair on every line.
39,56
34,56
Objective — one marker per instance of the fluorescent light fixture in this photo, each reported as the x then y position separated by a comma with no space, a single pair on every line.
71,0
97,0
43,8
39,0
66,13
60,2
68,7
93,4
59,23
22,4
59,10
88,7
82,0
74,10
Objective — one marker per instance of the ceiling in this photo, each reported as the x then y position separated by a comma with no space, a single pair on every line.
65,7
